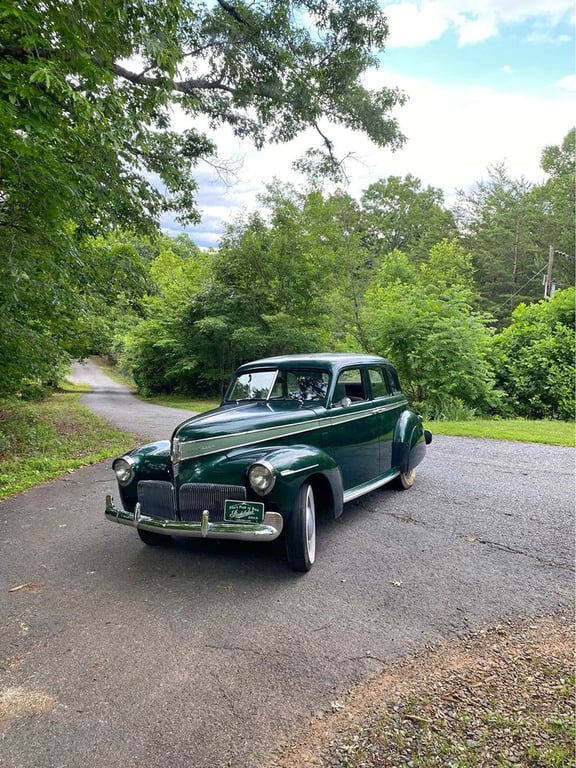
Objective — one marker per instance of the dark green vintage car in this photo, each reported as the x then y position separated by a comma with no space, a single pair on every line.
295,436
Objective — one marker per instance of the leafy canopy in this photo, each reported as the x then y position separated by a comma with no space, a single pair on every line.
88,89
424,319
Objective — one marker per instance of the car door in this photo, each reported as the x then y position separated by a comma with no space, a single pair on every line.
353,434
389,402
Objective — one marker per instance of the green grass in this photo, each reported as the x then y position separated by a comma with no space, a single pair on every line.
519,430
43,440
183,401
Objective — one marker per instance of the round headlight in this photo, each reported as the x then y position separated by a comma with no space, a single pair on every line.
124,469
262,477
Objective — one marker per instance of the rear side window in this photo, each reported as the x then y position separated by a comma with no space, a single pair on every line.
394,380
378,382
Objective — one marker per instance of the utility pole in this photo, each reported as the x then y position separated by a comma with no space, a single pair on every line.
548,284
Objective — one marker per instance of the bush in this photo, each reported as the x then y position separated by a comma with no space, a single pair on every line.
534,359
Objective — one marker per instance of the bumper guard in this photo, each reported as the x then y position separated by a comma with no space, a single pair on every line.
268,530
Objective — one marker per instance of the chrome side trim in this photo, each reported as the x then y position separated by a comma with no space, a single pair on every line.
208,445
361,490
288,472
347,417
268,530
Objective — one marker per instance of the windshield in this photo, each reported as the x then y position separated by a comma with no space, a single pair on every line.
302,385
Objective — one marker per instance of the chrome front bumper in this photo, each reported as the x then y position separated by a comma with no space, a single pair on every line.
268,530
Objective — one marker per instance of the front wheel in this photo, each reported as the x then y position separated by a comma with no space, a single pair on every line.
301,531
153,539
405,480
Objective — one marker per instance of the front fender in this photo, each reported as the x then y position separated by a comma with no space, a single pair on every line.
306,463
294,465
409,446
151,462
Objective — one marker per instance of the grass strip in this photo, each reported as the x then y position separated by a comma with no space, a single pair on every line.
184,402
43,440
518,430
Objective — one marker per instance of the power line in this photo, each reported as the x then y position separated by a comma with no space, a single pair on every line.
537,274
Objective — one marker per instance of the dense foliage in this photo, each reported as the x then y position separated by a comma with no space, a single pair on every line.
424,319
89,160
87,93
534,358
389,274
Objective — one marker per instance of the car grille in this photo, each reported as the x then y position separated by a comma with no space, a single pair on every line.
196,497
157,499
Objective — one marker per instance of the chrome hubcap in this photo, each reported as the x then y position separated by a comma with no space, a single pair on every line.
310,525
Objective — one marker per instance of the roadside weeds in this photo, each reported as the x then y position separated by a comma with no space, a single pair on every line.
501,697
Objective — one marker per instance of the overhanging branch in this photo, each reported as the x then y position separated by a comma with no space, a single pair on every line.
184,86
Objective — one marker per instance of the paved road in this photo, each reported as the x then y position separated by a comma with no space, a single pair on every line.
115,403
209,654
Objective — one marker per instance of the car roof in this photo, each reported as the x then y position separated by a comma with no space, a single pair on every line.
324,360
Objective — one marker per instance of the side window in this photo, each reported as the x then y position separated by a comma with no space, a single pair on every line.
378,382
394,380
350,384
304,385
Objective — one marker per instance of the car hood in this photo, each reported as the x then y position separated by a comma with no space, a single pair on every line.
235,426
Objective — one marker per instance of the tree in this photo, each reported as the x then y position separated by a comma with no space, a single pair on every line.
267,294
423,319
498,220
58,303
153,347
401,215
534,358
288,278
556,203
96,123
86,96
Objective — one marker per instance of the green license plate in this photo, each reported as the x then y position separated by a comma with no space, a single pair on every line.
243,511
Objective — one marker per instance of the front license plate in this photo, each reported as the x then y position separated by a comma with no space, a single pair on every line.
243,511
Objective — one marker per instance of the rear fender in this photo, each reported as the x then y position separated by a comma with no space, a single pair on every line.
409,447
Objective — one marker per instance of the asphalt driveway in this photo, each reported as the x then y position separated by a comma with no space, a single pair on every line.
210,654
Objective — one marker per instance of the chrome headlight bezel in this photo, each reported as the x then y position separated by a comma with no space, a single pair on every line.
262,477
124,469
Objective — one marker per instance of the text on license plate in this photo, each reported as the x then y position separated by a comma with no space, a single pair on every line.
243,511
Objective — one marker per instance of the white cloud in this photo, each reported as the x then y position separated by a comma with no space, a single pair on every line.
567,83
454,134
412,24
471,32
415,23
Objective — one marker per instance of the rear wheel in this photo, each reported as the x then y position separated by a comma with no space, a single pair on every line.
153,539
301,530
405,480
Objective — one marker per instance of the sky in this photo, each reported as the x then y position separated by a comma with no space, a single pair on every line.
488,82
